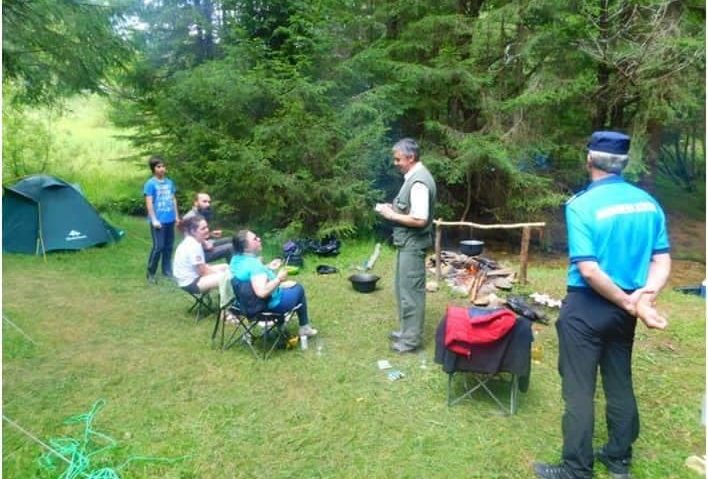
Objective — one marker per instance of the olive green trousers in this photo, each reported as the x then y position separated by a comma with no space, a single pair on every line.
410,295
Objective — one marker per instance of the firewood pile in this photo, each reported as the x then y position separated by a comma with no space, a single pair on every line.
476,277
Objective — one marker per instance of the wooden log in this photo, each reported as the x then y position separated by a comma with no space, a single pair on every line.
524,257
375,255
479,280
438,241
495,273
489,227
473,289
482,280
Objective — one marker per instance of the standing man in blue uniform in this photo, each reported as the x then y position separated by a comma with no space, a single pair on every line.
619,261
412,215
161,205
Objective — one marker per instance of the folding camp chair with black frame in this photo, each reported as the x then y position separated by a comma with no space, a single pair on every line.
267,328
226,315
481,381
202,306
509,357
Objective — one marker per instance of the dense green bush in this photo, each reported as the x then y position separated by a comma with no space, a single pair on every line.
127,205
289,116
285,111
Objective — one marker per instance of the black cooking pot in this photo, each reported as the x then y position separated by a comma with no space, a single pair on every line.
471,247
364,282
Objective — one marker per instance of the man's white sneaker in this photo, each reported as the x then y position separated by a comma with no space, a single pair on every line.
307,330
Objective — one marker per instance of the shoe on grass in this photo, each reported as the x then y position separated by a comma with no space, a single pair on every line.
552,471
618,468
395,335
400,348
307,330
231,318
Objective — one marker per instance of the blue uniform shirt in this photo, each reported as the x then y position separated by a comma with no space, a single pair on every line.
243,266
617,225
163,195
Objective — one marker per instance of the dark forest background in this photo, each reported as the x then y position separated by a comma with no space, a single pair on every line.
285,110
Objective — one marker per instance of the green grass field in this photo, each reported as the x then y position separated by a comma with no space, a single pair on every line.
97,331
77,144
100,332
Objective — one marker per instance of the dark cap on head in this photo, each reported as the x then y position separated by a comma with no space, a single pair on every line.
611,142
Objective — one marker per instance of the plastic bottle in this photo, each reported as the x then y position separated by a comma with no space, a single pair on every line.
536,348
303,342
423,361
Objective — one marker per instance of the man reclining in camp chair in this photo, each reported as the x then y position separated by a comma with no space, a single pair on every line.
191,271
282,297
215,246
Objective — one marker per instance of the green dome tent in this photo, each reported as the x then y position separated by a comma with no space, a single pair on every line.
41,213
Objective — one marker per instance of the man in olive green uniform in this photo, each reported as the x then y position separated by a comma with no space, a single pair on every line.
412,215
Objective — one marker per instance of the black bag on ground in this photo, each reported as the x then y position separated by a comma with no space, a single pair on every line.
522,308
292,252
328,246
326,269
247,299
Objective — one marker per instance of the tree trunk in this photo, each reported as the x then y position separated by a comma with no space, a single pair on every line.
468,196
206,33
470,8
603,74
654,129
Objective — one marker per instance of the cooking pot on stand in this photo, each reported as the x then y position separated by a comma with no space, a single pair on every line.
471,247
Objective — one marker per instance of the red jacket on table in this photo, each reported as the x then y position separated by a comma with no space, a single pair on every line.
463,331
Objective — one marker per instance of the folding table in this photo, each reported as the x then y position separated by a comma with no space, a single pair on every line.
508,356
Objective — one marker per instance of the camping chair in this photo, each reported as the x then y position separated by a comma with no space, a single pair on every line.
202,306
249,326
226,313
227,317
500,369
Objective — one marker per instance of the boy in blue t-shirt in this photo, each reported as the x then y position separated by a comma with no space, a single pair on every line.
161,205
